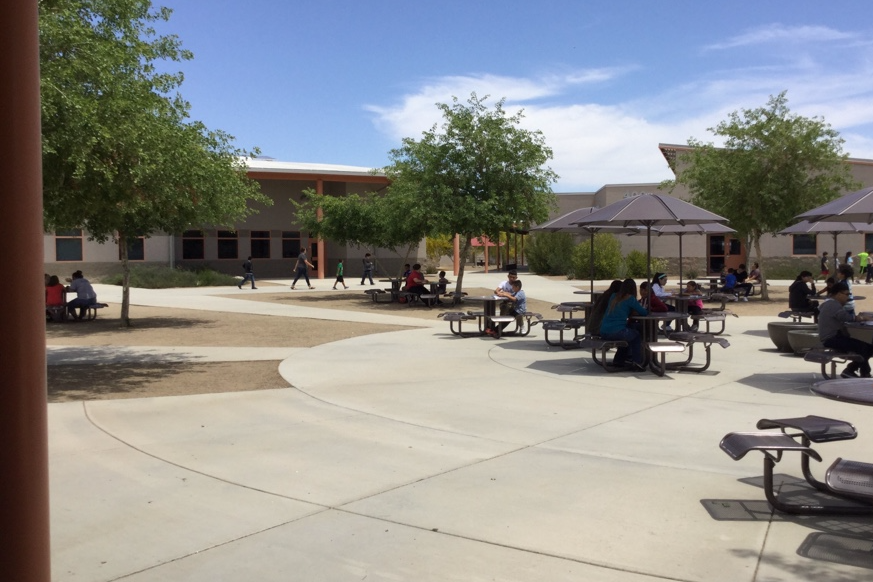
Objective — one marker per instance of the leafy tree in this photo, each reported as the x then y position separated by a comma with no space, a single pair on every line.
478,174
774,166
120,156
390,221
440,246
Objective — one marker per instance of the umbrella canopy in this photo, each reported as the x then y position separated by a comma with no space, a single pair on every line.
566,223
680,231
854,207
650,210
828,227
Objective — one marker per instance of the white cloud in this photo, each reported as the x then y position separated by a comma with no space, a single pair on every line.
781,34
615,139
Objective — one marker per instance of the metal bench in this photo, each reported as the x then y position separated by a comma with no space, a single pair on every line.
91,311
797,316
850,483
600,346
830,357
458,317
562,326
375,294
686,339
709,318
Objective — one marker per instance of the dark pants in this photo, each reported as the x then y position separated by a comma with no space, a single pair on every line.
82,304
634,345
248,277
746,287
367,274
845,343
302,273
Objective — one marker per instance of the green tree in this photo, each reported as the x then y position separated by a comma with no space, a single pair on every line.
608,263
439,246
774,165
478,174
120,156
391,221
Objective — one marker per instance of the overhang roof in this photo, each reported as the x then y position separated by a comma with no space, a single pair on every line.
263,166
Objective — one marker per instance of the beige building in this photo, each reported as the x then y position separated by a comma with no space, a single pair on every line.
274,240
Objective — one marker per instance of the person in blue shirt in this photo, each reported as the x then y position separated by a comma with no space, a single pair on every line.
730,283
615,325
517,302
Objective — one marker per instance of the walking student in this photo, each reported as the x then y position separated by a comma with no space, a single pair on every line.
248,275
339,276
302,264
368,269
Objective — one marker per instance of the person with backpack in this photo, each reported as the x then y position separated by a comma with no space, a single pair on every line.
248,275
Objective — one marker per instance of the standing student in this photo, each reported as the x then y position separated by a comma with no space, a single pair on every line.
825,271
368,269
248,274
339,276
863,257
302,264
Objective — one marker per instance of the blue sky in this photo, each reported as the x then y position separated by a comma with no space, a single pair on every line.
341,82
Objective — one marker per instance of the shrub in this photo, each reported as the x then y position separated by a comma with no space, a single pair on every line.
550,253
160,277
636,264
608,263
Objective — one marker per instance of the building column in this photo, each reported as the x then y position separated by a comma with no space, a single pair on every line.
24,491
319,189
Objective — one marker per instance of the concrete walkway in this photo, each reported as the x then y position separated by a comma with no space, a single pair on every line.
416,455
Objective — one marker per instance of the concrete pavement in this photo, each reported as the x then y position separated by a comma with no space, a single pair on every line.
416,455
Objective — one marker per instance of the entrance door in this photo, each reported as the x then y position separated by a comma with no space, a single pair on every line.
724,251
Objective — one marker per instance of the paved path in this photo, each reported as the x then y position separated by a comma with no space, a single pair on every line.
416,455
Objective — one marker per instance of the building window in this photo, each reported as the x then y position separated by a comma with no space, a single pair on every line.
290,244
803,244
135,248
228,245
260,240
192,244
68,245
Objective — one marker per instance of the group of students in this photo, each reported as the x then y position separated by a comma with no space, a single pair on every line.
55,295
738,280
865,264
516,303
610,315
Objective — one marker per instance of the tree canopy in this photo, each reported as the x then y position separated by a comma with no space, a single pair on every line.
478,173
121,157
773,166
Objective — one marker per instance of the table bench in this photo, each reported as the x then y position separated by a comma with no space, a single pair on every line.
830,357
561,326
849,482
458,317
797,316
679,342
709,318
597,344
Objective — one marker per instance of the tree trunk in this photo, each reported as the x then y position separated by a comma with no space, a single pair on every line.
459,284
125,281
765,294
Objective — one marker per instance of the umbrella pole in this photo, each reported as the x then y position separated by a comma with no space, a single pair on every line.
680,263
591,267
836,260
649,262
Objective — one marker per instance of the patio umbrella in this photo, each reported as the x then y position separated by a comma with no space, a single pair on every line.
853,207
680,231
650,210
566,223
828,227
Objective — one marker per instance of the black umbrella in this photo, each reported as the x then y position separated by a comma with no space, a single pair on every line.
650,210
853,207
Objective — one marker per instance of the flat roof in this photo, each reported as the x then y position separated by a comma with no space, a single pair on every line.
262,165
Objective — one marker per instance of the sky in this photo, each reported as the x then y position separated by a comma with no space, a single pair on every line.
605,81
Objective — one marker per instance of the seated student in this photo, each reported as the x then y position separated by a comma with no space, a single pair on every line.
517,304
54,296
615,324
595,316
443,282
730,283
829,284
755,275
659,282
695,306
846,274
742,285
415,281
656,304
406,271
799,294
832,331
85,295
